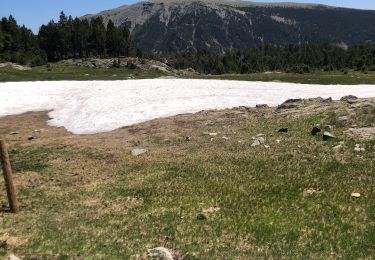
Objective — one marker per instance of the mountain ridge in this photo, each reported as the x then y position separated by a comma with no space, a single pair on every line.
191,25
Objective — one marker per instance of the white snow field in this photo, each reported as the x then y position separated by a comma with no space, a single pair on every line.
88,107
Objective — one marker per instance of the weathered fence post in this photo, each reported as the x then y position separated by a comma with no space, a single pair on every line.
7,172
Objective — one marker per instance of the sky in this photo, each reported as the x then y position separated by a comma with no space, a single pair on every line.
34,13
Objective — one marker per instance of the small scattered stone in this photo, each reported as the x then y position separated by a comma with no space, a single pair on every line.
188,138
14,133
138,151
258,141
211,210
212,134
355,194
161,253
359,148
266,146
337,147
343,118
327,127
278,141
225,138
315,130
328,136
283,130
201,216
30,138
308,192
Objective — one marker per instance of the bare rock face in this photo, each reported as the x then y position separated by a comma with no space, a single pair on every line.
218,25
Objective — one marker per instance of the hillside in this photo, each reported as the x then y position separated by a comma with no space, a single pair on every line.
190,25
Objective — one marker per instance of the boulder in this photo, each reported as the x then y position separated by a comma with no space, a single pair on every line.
349,98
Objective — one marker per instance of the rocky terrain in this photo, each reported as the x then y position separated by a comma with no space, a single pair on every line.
130,63
176,26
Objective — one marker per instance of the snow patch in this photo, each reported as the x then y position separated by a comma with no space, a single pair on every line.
88,107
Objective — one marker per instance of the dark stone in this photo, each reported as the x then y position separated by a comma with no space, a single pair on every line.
30,138
283,130
201,216
261,106
315,130
348,98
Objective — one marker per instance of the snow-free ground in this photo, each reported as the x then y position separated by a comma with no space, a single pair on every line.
88,107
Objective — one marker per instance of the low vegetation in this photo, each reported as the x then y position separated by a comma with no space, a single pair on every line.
202,189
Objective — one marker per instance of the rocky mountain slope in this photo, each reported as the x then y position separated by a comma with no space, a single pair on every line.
190,25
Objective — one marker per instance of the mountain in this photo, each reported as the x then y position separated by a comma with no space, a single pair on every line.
217,25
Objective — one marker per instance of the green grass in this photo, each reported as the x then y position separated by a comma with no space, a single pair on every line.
153,200
317,77
58,71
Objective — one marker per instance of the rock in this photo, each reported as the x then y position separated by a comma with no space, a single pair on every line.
337,147
315,130
327,100
266,146
258,141
359,148
225,138
188,138
290,103
261,106
211,210
161,253
283,130
363,133
13,257
278,141
343,118
138,151
355,194
326,127
201,216
308,192
3,244
328,136
350,99
14,133
30,138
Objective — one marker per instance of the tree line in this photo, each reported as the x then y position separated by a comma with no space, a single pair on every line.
67,38
296,58
76,38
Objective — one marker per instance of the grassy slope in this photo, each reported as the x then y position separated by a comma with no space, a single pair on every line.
65,72
97,201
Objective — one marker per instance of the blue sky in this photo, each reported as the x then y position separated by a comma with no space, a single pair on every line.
34,13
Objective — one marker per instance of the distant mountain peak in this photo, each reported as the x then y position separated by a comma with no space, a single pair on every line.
191,25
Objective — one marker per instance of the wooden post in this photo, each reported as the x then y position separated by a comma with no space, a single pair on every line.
7,172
